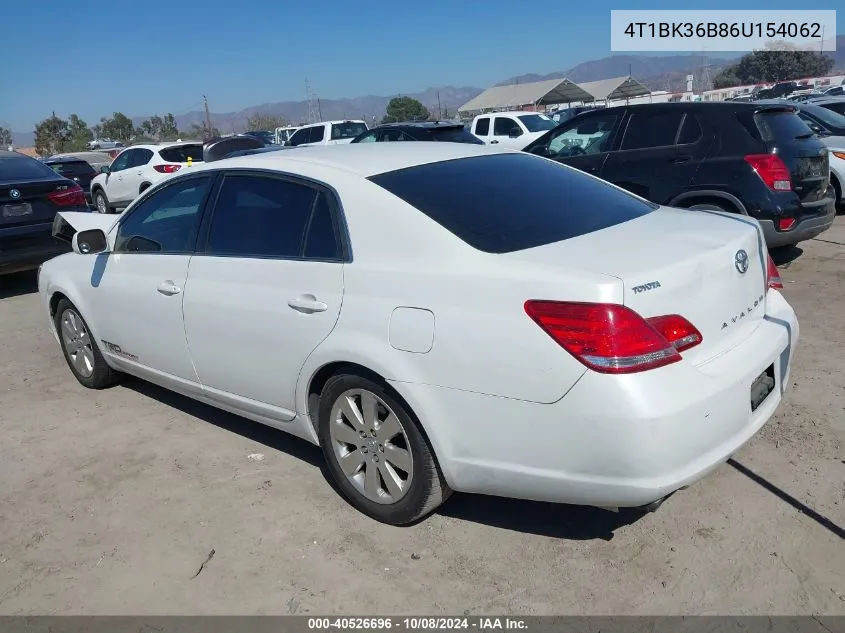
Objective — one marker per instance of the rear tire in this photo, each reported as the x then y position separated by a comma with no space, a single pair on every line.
375,453
80,349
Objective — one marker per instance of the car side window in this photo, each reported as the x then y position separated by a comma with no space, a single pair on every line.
321,240
122,161
482,126
690,131
584,135
258,216
300,136
318,133
502,126
369,138
392,135
651,129
141,157
165,222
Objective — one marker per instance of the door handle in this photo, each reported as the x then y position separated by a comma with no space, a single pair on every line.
682,159
493,142
307,304
168,288
591,169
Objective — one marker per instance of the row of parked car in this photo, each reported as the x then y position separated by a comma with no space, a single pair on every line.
781,163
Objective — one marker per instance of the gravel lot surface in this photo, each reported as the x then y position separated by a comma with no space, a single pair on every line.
111,501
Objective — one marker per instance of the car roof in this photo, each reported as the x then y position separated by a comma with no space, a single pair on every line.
64,159
363,159
337,121
420,124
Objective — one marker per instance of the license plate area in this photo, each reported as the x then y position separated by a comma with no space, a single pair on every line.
18,210
762,386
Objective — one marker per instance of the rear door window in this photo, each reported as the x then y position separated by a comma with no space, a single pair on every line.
140,157
690,130
475,199
317,134
651,129
482,126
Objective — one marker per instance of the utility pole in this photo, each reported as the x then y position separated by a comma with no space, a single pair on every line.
208,126
319,110
439,107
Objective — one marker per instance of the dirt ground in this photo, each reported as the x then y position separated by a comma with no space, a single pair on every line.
111,501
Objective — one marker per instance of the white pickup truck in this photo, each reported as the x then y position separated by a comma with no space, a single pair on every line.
511,129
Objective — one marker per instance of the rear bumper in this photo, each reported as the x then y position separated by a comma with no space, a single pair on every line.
612,441
805,229
25,248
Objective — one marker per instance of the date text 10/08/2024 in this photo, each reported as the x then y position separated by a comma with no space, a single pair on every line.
725,29
417,623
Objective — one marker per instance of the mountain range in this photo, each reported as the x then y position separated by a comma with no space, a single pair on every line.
658,73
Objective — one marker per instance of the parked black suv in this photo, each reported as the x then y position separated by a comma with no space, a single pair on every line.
755,159
446,131
30,195
74,169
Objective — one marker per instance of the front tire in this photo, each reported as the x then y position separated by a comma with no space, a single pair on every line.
375,452
80,349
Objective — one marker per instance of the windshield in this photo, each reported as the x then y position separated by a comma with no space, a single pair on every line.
19,168
71,168
457,134
829,117
537,122
348,129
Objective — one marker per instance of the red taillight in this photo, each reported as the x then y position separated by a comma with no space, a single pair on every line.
773,279
611,338
784,224
167,169
70,197
772,171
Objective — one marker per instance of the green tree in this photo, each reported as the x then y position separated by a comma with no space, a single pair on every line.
775,63
51,136
405,109
168,130
79,134
118,128
5,137
265,122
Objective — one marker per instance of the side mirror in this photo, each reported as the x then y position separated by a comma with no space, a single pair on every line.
89,242
105,169
515,132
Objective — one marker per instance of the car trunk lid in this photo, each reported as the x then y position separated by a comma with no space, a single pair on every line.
708,267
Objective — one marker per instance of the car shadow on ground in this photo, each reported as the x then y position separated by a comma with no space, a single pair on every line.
532,517
16,284
783,256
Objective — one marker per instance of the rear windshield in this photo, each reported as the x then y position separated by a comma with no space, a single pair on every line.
74,168
509,202
782,126
449,134
349,129
836,106
17,167
180,153
537,122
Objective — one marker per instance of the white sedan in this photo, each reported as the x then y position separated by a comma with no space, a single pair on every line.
438,317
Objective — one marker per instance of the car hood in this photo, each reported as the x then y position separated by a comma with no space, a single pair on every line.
833,142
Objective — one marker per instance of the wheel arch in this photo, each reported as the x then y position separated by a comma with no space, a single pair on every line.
700,196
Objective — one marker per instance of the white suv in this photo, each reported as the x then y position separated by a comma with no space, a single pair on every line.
327,133
138,167
514,130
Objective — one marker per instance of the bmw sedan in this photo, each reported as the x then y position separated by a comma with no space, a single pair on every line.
438,317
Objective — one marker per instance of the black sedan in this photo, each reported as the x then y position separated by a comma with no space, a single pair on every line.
30,195
74,169
446,131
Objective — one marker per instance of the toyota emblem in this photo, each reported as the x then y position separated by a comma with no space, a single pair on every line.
741,261
14,194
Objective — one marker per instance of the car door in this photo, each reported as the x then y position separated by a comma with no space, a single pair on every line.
506,132
134,174
658,153
482,128
300,137
264,291
115,190
583,142
317,135
136,289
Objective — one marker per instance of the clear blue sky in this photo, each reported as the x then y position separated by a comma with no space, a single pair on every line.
94,57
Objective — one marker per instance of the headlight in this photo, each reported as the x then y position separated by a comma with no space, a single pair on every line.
38,276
